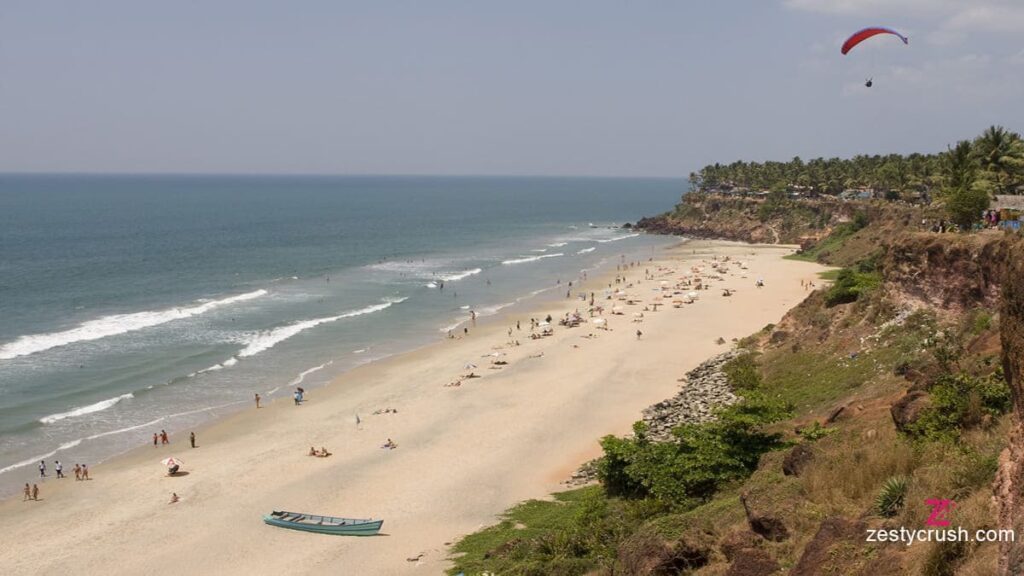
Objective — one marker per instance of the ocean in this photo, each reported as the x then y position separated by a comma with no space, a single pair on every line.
130,304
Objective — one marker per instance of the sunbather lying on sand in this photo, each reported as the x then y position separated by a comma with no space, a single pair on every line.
390,444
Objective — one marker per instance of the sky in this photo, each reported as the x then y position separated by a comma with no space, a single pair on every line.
588,87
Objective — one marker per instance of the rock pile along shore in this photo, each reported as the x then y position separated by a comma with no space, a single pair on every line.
705,388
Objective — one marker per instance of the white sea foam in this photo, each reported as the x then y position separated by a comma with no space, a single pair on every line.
263,341
451,327
431,270
530,259
587,250
617,238
36,459
113,325
539,250
491,310
558,244
83,410
453,276
302,376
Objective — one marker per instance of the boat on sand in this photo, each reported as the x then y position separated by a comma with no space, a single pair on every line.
324,524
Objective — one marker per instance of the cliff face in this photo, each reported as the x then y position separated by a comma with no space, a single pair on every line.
948,272
1009,485
746,219
771,221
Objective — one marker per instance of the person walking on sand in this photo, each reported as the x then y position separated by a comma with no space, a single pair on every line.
257,400
85,472
60,469
639,334
192,439
42,469
35,492
78,472
28,492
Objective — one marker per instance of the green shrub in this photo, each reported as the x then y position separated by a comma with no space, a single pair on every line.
960,401
851,284
742,372
894,492
705,456
860,220
815,432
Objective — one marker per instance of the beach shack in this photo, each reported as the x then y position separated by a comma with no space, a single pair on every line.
1010,209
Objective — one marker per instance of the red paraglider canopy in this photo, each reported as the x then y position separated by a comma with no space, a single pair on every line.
866,33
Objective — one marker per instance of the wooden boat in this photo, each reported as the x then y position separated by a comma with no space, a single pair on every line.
323,524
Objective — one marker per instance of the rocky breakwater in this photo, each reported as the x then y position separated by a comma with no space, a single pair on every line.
705,388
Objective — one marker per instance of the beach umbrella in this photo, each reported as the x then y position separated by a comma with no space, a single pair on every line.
693,295
470,366
598,320
544,324
172,461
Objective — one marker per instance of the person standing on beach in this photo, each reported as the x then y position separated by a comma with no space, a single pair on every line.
639,334
42,469
35,492
78,472
257,400
154,439
28,492
163,437
60,469
192,438
85,472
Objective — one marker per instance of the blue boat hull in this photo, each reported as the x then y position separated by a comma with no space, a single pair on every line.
326,524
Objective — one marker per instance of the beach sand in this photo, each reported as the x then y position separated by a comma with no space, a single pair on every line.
464,453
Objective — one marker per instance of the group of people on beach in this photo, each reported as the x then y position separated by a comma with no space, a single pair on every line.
321,453
32,491
161,437
81,470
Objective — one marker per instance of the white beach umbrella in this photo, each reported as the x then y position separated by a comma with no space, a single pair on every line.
172,461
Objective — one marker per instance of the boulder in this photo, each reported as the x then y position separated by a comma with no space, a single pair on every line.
821,555
738,540
764,525
752,562
797,460
909,408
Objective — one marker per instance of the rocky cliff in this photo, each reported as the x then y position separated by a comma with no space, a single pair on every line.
1009,485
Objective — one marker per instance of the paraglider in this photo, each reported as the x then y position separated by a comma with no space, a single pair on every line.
866,33
863,35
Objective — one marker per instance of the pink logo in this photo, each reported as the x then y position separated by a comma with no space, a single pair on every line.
939,510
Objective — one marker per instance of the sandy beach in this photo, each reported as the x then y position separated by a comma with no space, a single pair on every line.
465,453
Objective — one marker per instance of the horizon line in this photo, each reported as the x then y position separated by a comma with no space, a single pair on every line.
330,175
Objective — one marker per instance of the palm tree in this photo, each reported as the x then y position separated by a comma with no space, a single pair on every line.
966,195
1000,153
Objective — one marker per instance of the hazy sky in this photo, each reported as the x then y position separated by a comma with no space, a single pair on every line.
590,87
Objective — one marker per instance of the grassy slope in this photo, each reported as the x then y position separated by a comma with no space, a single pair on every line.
823,358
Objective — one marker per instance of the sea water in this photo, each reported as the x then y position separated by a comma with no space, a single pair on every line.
131,304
